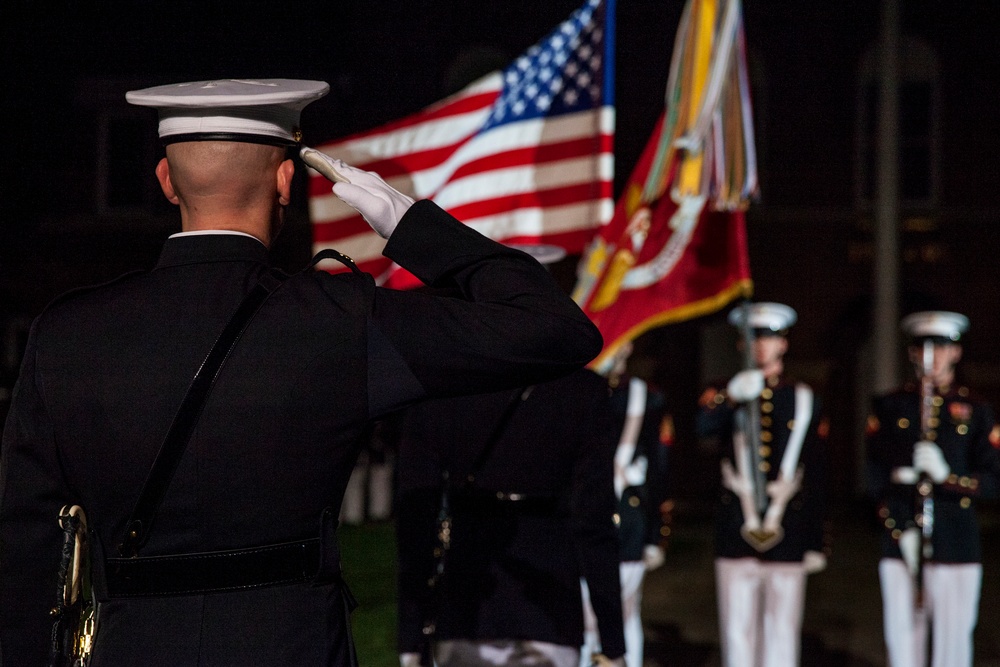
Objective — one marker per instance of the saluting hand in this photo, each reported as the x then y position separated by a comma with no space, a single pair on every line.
381,205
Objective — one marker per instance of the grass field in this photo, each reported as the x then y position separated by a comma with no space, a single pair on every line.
369,563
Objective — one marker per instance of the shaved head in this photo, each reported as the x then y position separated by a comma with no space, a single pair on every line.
228,185
229,173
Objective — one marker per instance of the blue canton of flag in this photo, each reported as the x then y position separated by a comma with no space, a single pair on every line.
561,74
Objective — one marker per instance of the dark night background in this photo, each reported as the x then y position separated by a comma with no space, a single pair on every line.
81,205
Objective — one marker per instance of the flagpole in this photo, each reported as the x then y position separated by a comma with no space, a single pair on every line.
885,316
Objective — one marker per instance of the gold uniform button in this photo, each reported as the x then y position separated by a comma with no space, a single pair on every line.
932,435
903,422
962,429
890,523
791,424
963,391
765,451
896,532
665,531
765,436
966,503
767,407
633,501
937,401
765,466
767,394
765,421
933,422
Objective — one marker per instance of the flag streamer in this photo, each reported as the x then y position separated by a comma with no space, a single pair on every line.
675,247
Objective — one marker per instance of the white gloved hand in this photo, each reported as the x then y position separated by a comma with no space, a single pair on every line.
909,547
814,561
652,557
746,385
928,458
409,660
381,205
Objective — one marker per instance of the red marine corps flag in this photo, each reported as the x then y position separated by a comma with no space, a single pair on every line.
676,245
524,155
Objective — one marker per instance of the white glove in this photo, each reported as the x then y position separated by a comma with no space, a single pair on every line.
652,557
409,660
746,385
381,205
909,546
814,561
927,457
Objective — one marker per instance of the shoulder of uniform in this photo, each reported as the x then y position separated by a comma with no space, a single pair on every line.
78,293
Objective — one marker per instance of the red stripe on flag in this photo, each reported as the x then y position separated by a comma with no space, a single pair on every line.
539,155
327,232
563,196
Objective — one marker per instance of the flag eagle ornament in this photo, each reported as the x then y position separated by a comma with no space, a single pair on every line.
524,155
675,247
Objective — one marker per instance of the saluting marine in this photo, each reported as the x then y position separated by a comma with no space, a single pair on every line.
934,436
241,564
770,523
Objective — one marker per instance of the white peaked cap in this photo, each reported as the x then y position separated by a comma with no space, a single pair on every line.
252,110
774,317
935,324
543,253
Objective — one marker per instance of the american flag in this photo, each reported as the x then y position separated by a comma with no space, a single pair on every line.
524,155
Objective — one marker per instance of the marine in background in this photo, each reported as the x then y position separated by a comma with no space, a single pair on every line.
772,503
643,433
934,435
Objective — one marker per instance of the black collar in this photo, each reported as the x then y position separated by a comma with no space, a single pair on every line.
202,248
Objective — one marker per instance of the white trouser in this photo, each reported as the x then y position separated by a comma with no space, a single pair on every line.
509,652
760,611
951,608
631,574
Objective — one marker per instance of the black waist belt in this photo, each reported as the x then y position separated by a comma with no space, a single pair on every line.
214,571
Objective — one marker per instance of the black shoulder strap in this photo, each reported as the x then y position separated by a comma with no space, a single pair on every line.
330,253
175,442
499,428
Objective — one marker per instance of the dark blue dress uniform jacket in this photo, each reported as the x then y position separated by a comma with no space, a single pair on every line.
513,570
803,522
105,370
963,428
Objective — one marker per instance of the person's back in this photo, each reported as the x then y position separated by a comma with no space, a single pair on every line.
106,369
536,516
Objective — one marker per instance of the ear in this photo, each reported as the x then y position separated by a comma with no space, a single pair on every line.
284,182
783,347
163,176
956,354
